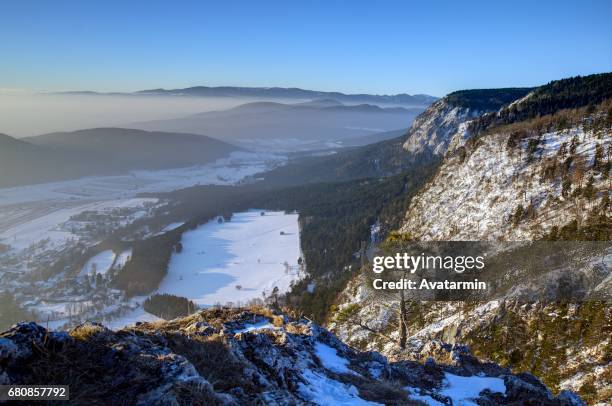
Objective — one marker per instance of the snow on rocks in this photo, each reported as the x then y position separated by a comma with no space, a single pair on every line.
297,362
474,199
321,390
417,394
330,359
432,131
464,390
262,325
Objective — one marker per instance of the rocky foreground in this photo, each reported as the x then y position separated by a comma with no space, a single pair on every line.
231,357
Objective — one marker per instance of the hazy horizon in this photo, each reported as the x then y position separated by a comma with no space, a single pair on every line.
75,112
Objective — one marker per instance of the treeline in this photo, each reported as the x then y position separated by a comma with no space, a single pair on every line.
595,118
169,306
148,264
486,99
572,93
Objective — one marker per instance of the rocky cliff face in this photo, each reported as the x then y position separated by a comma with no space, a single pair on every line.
566,345
444,124
432,132
498,190
537,178
232,357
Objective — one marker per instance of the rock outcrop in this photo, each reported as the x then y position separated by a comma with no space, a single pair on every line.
444,124
232,357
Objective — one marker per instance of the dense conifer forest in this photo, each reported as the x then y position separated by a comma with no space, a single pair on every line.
169,306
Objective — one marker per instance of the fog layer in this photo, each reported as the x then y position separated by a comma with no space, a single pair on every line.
23,115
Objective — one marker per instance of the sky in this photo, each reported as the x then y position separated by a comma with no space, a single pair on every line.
382,47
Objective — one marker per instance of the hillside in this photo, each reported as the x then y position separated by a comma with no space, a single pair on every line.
537,168
380,159
232,357
518,181
424,143
444,122
24,163
314,125
120,149
101,151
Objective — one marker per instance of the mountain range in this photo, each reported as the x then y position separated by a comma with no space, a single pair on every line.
403,99
316,124
320,124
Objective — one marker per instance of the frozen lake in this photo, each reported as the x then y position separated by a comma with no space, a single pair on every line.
236,261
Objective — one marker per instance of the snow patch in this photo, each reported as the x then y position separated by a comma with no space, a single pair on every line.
122,259
100,263
464,389
330,359
172,226
415,393
263,325
321,390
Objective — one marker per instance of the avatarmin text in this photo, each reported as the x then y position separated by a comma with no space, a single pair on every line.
405,284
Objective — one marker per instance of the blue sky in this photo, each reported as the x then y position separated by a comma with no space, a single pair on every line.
429,47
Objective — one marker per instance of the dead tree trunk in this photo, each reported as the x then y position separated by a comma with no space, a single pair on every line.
403,328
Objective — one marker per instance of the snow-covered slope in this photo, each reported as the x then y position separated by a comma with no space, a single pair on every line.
566,345
236,261
505,179
476,197
443,124
432,131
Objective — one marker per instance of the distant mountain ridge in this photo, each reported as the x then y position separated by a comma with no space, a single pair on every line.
24,163
101,151
313,125
318,104
404,99
129,148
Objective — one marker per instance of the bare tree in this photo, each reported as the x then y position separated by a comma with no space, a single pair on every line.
580,168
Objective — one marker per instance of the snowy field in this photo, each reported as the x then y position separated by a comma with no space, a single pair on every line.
31,223
38,222
30,214
236,261
100,263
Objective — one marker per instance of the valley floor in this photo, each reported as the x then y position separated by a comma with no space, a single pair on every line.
41,223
